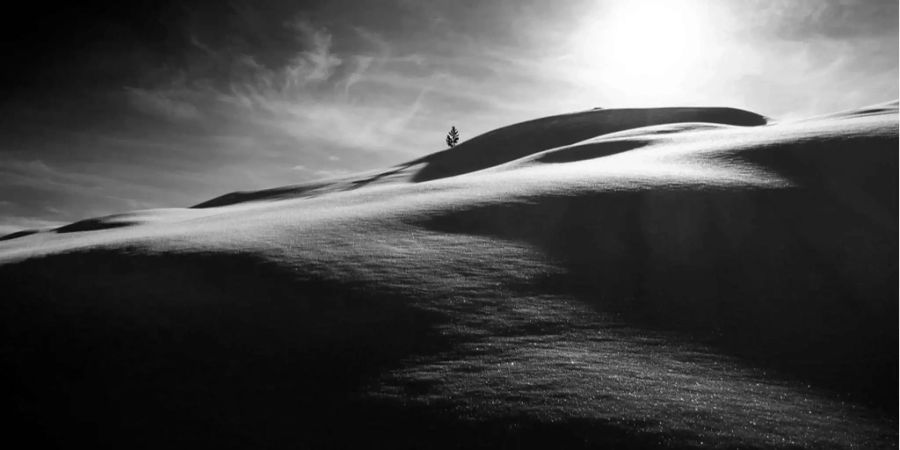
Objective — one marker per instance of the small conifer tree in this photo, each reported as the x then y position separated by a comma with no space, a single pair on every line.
452,137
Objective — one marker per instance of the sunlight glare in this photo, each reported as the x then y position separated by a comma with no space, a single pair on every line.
645,47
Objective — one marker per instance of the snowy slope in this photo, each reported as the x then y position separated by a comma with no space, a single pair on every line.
646,278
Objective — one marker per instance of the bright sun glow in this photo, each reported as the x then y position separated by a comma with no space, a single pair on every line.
645,48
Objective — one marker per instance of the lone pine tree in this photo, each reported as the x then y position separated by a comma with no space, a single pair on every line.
452,137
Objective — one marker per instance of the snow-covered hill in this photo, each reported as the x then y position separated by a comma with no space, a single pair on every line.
627,278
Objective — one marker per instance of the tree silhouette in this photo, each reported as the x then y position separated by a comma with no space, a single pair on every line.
452,137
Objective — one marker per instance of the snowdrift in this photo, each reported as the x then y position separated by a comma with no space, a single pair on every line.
671,277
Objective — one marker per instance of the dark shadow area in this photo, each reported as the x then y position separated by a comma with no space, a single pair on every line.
113,349
590,151
526,138
265,194
379,424
99,223
126,350
18,234
786,279
860,173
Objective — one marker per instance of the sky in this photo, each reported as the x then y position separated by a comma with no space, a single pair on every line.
111,106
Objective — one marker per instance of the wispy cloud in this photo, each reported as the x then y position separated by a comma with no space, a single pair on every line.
160,103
